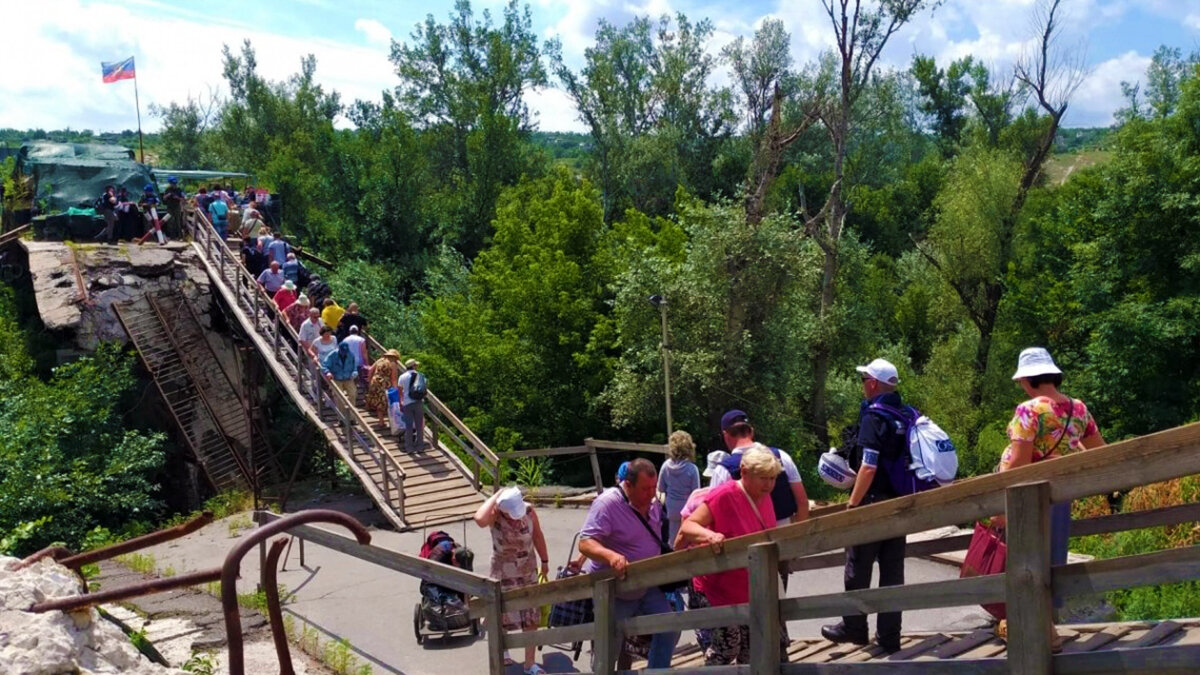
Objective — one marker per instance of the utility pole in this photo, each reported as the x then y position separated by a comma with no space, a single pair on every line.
661,302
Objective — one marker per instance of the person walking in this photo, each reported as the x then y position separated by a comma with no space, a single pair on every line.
324,345
882,440
516,537
310,329
349,320
174,198
789,496
623,525
1048,425
382,375
331,313
218,213
286,296
733,509
677,478
412,406
106,206
272,278
297,312
339,367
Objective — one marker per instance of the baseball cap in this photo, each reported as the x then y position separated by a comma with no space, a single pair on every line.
733,417
1035,361
881,370
511,503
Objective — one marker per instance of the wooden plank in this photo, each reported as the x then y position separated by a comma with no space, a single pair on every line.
951,593
625,445
495,632
1168,515
546,452
606,645
596,472
964,644
444,575
709,617
1098,639
1146,569
1027,577
764,599
550,636
920,647
1154,660
1154,636
1121,465
970,667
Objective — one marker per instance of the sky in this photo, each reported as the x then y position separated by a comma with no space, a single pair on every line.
177,47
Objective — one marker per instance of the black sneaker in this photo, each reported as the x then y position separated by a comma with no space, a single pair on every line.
839,633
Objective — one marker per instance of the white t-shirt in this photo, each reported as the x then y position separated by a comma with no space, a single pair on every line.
721,475
356,343
310,330
324,348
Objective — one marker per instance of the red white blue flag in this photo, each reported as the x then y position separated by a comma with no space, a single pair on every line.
118,70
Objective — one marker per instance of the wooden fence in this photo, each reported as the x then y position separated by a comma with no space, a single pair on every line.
590,447
1024,495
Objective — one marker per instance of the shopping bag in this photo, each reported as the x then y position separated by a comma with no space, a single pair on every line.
395,418
544,619
986,554
393,395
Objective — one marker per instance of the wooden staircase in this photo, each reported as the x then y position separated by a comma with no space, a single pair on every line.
432,486
171,345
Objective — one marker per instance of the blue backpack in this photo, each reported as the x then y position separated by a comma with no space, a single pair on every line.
783,501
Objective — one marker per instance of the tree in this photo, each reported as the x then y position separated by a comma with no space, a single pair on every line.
184,131
758,68
463,83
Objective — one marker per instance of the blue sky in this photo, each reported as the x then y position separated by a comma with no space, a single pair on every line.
178,47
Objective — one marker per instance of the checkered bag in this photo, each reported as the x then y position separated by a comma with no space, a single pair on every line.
570,613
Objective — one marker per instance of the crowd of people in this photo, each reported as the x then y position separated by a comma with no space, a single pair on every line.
754,487
138,221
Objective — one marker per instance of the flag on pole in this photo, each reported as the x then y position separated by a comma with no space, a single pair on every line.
118,70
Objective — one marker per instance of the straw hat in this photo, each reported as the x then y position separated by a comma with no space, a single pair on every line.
392,354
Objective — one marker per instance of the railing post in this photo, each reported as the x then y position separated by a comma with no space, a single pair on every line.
764,608
495,629
595,467
1027,578
606,646
278,328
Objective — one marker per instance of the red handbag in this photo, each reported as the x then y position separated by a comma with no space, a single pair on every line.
986,555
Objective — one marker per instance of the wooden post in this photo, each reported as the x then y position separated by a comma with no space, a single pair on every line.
606,646
278,329
595,468
764,607
495,629
1027,578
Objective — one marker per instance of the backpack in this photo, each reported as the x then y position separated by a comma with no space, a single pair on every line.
783,501
418,388
930,459
434,539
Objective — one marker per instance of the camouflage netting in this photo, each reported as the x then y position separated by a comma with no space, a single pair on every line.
59,176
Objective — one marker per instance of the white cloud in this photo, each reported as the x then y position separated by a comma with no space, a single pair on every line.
1192,21
1099,96
554,110
376,33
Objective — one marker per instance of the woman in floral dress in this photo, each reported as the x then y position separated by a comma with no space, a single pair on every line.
380,377
516,535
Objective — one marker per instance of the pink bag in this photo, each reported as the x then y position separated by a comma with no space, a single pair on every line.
986,555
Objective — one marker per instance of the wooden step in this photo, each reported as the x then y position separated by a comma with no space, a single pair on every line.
431,496
470,502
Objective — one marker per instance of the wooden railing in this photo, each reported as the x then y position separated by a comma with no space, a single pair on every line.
279,344
590,447
487,464
1023,494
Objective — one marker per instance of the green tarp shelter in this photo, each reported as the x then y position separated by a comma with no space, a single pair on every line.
67,175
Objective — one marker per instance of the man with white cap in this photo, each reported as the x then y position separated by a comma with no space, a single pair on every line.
880,439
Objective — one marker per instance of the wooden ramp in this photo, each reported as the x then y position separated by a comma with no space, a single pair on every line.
982,648
432,486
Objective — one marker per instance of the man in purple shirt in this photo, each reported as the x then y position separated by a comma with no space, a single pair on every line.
620,529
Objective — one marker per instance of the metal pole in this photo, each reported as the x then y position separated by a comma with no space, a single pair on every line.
137,104
666,357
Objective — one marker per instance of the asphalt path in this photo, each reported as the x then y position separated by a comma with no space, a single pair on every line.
372,607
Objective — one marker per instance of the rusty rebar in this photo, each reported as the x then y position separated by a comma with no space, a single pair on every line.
52,552
126,592
233,561
77,561
275,608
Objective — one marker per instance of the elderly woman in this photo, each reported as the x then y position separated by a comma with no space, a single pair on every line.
296,312
516,535
732,509
677,478
1048,425
381,376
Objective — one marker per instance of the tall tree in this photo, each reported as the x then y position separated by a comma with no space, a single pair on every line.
758,68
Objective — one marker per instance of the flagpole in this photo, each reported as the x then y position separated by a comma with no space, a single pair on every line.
138,105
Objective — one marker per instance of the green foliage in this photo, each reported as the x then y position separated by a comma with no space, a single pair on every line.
532,472
200,663
67,464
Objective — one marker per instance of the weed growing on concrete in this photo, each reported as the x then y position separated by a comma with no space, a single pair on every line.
142,563
202,663
239,524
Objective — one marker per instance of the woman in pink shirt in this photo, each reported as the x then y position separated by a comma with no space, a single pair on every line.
730,510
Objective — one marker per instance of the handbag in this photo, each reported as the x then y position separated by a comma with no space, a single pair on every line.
572,612
671,586
986,554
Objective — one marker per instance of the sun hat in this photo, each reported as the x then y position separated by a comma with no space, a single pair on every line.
289,285
1035,361
411,363
834,470
392,354
880,370
732,418
714,459
302,300
511,503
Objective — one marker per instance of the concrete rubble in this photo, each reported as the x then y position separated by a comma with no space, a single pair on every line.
59,642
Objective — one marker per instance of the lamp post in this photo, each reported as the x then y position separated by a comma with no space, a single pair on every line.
661,302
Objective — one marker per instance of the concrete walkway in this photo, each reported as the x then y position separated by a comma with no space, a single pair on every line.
372,607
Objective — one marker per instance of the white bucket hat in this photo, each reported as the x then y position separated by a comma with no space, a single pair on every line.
1035,361
714,459
511,503
880,370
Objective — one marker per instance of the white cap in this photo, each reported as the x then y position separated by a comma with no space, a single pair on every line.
511,503
880,370
714,459
1035,361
